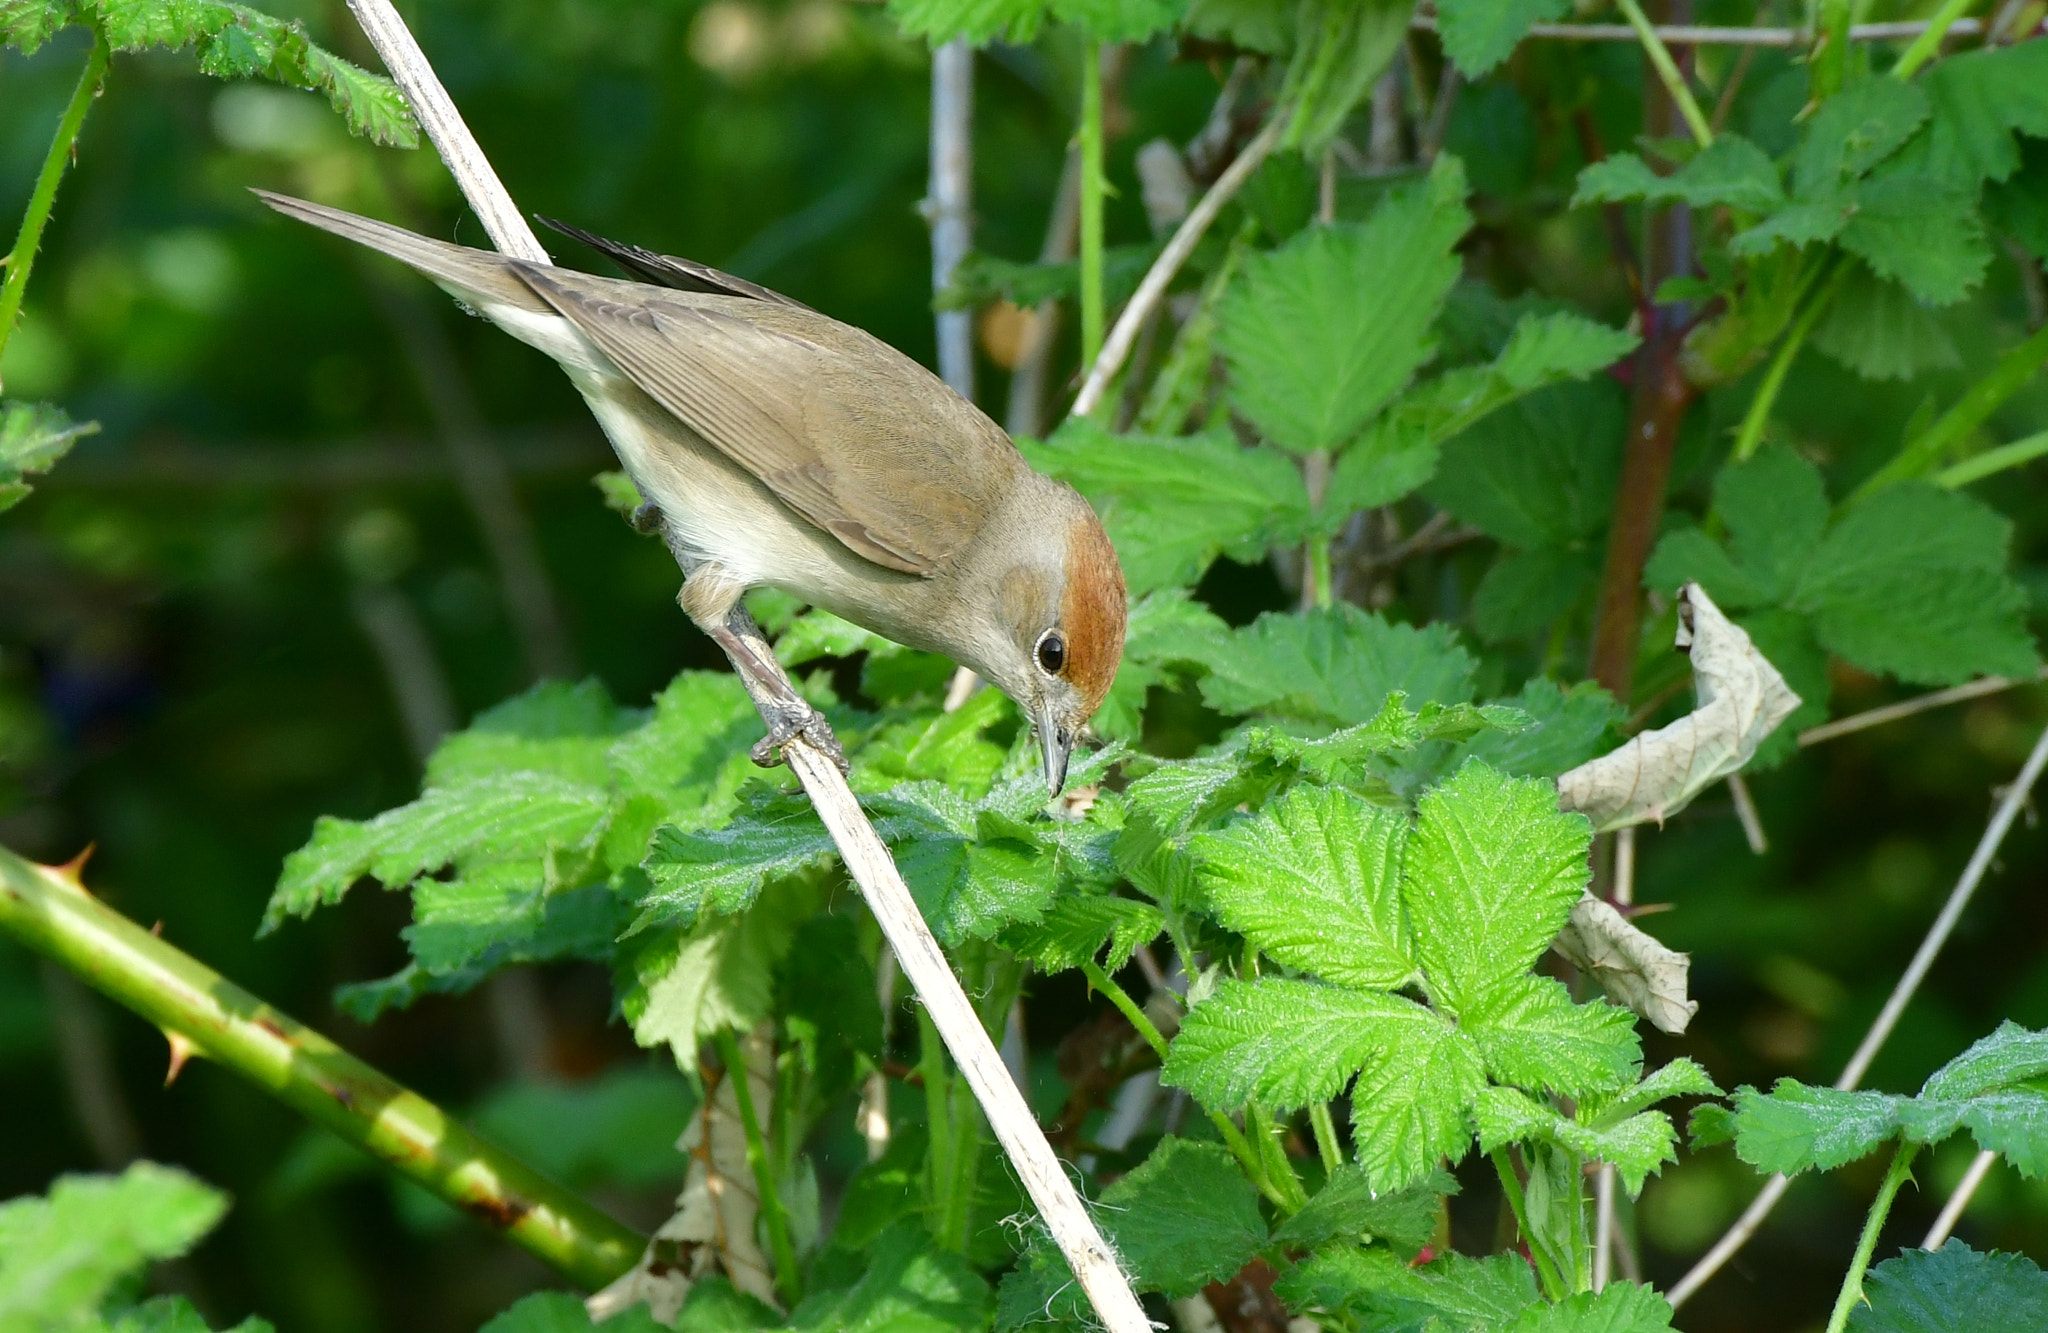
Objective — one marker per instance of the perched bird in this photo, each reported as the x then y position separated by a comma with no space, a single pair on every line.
778,447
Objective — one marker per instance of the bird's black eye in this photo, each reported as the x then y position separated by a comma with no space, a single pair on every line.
1052,652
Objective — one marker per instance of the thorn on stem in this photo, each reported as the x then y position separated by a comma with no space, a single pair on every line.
183,1048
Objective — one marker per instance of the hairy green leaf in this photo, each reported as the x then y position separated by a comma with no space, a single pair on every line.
1732,171
1335,665
1620,1307
1347,1208
1077,927
1877,329
1637,1146
1291,1043
1479,34
61,1254
1313,880
1374,1286
1954,1289
1411,1107
33,436
1533,1035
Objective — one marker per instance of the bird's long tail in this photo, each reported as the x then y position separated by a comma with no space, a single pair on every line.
477,276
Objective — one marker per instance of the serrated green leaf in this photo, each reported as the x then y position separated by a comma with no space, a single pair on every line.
1077,927
1184,1217
1954,1289
1157,630
1524,592
722,870
1254,25
1679,1078
1173,504
1731,172
679,986
692,753
1921,234
1335,665
1313,881
27,24
1796,225
1320,334
1381,1291
1541,472
1853,131
1534,1036
1291,1043
1912,582
1636,1146
1479,34
1569,726
1878,330
561,1312
1620,1307
175,1314
1491,873
1776,510
33,436
61,1254
973,869
1347,1208
1411,1106
2010,1055
909,1286
1794,1127
1977,100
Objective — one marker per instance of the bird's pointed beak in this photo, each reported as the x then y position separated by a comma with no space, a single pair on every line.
1058,744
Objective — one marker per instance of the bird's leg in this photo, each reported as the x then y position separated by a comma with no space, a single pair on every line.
785,711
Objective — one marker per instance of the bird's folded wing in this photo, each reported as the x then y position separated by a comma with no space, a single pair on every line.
857,438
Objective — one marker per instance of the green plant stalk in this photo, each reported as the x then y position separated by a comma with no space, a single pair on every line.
1980,466
1880,1207
931,1067
1751,433
1233,1137
1002,979
44,197
788,1281
1265,1137
1093,187
1304,93
204,1014
1511,1186
1928,44
1326,1137
1668,72
1831,66
1978,402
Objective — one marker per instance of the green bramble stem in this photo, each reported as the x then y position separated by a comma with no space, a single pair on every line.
1751,433
1928,44
204,1014
23,257
1326,1137
1852,1284
1093,187
787,1284
2012,373
1668,72
1511,1186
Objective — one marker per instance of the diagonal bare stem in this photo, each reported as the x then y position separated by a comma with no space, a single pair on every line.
1902,994
867,860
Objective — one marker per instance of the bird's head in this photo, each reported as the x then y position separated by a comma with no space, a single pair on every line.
1059,610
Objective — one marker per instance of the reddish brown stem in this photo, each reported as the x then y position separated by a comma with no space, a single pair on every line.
1661,397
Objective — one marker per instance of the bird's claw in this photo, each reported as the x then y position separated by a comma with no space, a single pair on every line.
788,721
646,519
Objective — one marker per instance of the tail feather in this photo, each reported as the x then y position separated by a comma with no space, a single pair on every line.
477,276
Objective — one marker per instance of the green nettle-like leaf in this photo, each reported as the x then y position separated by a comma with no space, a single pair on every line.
1620,1307
1917,232
1533,1035
1314,881
1410,1108
1334,665
560,1312
722,870
1375,1287
681,986
940,21
1173,504
1877,329
1853,131
1991,1090
1911,582
1637,1146
175,1314
1954,1289
1569,726
1479,34
1076,929
1157,636
1491,873
61,1254
1979,102
908,1286
1348,1209
1320,334
1291,1043
1731,172
1542,472
232,42
33,437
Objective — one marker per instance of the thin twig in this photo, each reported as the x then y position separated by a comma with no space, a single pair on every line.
1153,289
867,860
1916,972
1873,717
948,204
1952,1211
1668,72
63,147
1745,814
1603,1227
1695,34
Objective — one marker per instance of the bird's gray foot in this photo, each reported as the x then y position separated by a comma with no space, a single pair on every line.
790,719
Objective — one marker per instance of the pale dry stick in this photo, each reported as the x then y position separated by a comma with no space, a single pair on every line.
1693,34
1604,1223
867,860
1976,689
1745,814
1952,1211
1916,971
948,204
1153,289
